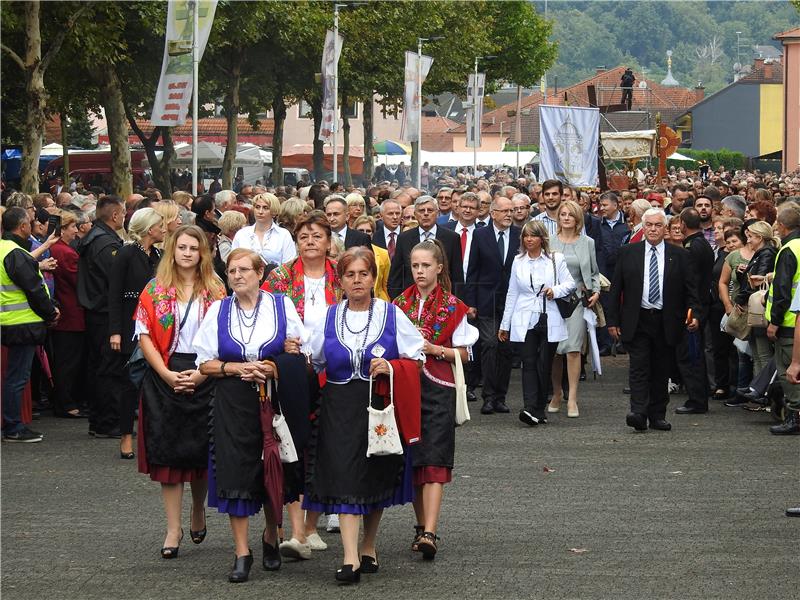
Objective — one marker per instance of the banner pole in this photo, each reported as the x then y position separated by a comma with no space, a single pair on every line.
195,85
335,126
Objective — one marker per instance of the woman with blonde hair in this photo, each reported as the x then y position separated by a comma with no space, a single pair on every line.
355,208
366,224
170,213
133,266
531,317
272,243
291,212
173,414
229,224
579,252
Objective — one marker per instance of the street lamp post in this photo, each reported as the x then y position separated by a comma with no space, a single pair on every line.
476,118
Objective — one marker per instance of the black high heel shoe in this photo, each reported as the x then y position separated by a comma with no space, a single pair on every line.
346,575
127,455
271,560
198,536
172,551
368,564
241,568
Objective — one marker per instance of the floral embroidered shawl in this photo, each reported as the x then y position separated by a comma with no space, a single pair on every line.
289,279
157,309
440,315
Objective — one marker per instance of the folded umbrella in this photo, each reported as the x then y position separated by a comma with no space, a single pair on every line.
273,468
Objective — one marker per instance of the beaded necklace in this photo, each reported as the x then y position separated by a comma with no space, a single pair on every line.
243,319
359,350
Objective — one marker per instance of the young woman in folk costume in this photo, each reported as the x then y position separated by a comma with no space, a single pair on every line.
442,320
173,414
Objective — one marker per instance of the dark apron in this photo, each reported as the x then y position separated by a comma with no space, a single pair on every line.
438,444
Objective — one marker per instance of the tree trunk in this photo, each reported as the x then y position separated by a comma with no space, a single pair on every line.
160,168
369,163
346,141
278,118
111,99
65,147
319,145
232,103
163,179
36,98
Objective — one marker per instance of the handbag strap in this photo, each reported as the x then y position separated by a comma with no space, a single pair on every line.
186,315
391,387
555,271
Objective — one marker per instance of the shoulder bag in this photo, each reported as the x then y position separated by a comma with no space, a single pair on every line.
383,436
283,435
756,308
462,407
567,304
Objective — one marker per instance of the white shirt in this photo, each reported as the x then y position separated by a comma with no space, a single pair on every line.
206,342
387,233
486,221
276,246
505,240
551,224
314,312
186,333
646,286
470,230
341,234
427,235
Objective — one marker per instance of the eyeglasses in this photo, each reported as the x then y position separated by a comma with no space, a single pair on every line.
241,270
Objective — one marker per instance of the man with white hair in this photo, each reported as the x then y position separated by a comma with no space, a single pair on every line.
651,292
224,200
522,209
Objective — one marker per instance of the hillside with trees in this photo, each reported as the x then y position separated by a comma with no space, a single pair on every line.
702,36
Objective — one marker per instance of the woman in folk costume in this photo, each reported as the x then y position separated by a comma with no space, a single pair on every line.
312,284
442,320
360,336
233,344
173,411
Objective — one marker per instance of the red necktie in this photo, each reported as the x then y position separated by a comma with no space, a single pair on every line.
463,242
392,244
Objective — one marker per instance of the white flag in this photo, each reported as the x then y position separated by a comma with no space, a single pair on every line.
174,92
330,59
568,139
411,99
475,92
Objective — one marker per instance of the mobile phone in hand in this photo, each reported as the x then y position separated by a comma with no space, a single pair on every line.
53,225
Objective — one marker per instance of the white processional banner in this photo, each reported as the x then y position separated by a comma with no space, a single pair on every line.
475,109
174,93
330,58
409,130
568,138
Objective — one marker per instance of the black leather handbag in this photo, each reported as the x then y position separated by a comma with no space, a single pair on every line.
567,304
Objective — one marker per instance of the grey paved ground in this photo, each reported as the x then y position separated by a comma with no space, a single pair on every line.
695,513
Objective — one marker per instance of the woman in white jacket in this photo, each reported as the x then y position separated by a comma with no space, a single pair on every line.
531,315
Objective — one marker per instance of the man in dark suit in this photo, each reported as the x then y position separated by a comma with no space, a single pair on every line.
651,290
387,229
426,211
336,211
693,368
485,292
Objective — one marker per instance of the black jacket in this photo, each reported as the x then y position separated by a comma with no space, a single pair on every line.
130,272
96,254
785,268
678,292
763,262
23,270
487,275
400,276
702,262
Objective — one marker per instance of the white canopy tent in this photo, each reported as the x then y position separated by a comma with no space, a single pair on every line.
210,155
677,156
459,159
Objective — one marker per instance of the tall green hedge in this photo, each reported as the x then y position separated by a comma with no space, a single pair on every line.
715,158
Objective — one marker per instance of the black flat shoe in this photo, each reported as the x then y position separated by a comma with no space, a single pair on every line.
368,564
271,559
346,575
172,551
127,456
660,424
241,568
427,545
690,410
637,421
198,536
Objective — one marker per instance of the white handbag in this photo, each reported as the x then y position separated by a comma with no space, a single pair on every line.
462,408
281,430
383,436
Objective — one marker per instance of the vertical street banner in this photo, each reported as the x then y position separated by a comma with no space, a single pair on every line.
409,129
174,92
475,93
330,58
568,138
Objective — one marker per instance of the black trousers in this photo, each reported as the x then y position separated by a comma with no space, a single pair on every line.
101,376
69,355
726,359
495,360
649,369
627,97
537,359
693,368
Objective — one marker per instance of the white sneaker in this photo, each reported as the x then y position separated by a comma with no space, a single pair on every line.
333,524
316,542
294,549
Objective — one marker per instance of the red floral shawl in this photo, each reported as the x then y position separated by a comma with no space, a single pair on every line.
288,279
157,309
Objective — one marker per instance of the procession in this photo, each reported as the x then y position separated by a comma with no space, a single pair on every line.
505,337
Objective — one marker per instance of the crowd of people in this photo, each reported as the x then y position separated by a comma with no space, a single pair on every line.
311,350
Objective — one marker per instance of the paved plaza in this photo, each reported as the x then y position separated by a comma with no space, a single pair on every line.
580,508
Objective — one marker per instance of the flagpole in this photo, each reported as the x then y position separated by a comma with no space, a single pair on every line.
195,85
519,127
475,121
335,126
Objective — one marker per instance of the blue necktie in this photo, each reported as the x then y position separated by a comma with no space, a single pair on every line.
501,246
655,292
